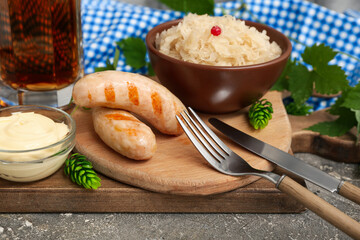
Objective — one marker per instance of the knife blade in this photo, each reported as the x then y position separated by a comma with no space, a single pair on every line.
279,157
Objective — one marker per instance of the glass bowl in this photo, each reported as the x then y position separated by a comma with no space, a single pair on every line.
38,163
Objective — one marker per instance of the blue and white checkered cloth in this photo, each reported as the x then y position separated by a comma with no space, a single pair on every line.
107,21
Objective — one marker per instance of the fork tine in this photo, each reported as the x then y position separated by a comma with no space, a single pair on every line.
208,142
220,164
203,151
200,136
216,139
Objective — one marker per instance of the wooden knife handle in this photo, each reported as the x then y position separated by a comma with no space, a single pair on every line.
319,206
350,191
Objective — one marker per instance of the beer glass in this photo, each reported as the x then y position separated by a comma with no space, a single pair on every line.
40,49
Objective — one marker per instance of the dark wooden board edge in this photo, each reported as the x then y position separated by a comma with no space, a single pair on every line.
340,149
58,194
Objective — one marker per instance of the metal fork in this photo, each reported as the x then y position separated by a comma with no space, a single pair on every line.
223,159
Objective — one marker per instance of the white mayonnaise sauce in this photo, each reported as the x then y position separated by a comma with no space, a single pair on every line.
27,131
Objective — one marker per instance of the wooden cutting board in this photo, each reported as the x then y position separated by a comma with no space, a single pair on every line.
177,167
58,194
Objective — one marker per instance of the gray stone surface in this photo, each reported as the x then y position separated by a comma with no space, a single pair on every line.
305,225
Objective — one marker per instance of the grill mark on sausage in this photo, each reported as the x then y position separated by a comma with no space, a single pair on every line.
89,96
109,93
129,131
156,103
133,93
118,116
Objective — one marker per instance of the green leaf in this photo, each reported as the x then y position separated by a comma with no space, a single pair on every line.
338,127
116,58
327,79
298,110
330,79
336,108
300,83
318,55
283,82
198,6
150,69
108,66
357,117
352,99
134,50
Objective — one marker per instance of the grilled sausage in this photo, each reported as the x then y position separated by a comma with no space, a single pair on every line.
124,133
132,92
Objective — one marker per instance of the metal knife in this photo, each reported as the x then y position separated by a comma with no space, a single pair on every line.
288,162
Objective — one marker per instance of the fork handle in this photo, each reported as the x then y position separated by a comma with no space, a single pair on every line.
319,206
350,192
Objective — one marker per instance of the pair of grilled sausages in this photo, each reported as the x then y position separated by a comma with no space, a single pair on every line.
113,94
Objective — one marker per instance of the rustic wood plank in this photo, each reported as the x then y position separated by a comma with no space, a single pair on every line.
341,149
58,194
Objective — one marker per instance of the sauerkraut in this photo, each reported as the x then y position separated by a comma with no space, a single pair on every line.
237,45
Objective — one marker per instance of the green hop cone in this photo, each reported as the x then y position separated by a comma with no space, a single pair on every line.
260,113
80,171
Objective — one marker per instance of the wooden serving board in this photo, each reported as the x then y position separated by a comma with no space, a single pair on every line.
58,194
177,167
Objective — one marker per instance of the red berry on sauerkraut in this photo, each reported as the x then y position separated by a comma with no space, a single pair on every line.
216,30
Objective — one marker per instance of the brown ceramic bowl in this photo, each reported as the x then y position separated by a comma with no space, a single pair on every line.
214,89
